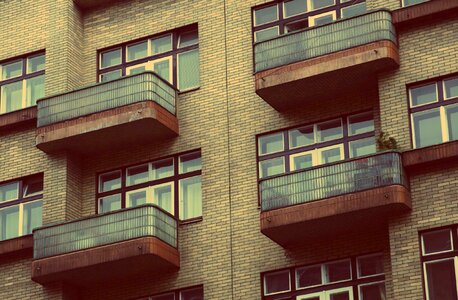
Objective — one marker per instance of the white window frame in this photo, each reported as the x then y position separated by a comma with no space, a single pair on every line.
325,274
180,198
20,215
100,182
106,73
443,124
366,284
312,19
147,66
310,286
418,86
284,10
434,253
321,150
148,196
425,273
367,256
264,283
172,195
111,50
99,200
167,58
325,295
292,165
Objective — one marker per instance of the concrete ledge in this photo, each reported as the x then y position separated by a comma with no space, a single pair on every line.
423,13
419,158
20,245
18,118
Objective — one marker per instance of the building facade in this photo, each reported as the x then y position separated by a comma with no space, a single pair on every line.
173,149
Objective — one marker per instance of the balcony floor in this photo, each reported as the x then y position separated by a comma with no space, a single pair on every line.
295,225
116,261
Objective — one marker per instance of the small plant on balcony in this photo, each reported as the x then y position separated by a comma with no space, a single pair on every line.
386,142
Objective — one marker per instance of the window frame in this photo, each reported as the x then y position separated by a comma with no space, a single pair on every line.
403,3
176,293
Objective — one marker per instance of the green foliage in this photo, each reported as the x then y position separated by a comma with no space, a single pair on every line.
386,142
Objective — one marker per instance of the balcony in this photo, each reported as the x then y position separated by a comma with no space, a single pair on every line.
325,61
333,199
132,110
130,242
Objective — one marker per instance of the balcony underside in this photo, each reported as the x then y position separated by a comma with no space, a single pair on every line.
116,261
86,4
424,13
327,76
299,224
126,126
430,157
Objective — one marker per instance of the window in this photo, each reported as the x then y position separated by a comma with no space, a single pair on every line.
412,2
311,145
434,112
271,20
328,281
440,263
194,293
20,206
173,55
173,184
22,82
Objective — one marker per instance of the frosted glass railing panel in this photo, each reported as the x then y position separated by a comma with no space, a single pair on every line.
105,229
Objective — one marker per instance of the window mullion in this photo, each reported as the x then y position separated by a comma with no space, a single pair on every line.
20,218
24,93
443,118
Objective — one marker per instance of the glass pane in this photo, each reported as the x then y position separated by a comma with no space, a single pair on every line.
35,89
317,4
271,143
111,58
370,265
340,296
162,169
308,276
338,271
441,282
295,7
451,88
452,121
362,147
32,186
9,222
162,196
162,44
137,174
301,137
437,241
354,10
190,162
265,34
11,96
423,95
194,294
110,203
413,2
188,39
361,123
322,20
136,198
427,128
136,70
300,162
162,68
36,63
265,15
331,155
190,198
374,291
12,70
110,181
298,25
110,76
170,296
9,191
272,167
276,282
32,216
329,131
188,70
137,51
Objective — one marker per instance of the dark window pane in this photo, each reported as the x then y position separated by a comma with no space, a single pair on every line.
338,271
137,174
276,282
340,296
272,167
164,168
170,296
188,38
36,63
451,88
266,34
265,15
194,294
111,58
362,123
295,7
326,19
317,4
423,95
427,128
308,276
190,162
413,2
110,181
110,76
370,265
329,130
9,191
354,10
301,137
373,291
437,241
12,70
441,282
271,143
32,186
295,26
137,51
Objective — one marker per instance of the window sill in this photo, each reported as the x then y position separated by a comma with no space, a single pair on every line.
19,245
431,156
189,91
18,117
191,221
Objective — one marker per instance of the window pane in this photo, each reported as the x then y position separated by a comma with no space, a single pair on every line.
136,70
188,39
36,63
362,147
162,44
308,276
345,295
162,197
301,137
337,271
413,2
110,181
373,291
110,203
194,294
32,186
137,51
331,155
354,10
452,121
297,25
137,174
190,162
329,131
188,70
163,297
162,169
423,95
325,19
9,191
276,282
162,68
110,76
317,4
451,88
272,167
190,198
265,34
111,58
265,15
295,7
437,241
9,222
361,123
136,198
12,70
11,96
303,161
370,265
427,128
32,216
271,143
35,89
441,282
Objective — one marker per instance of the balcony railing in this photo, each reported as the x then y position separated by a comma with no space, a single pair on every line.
105,96
317,41
105,229
340,178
